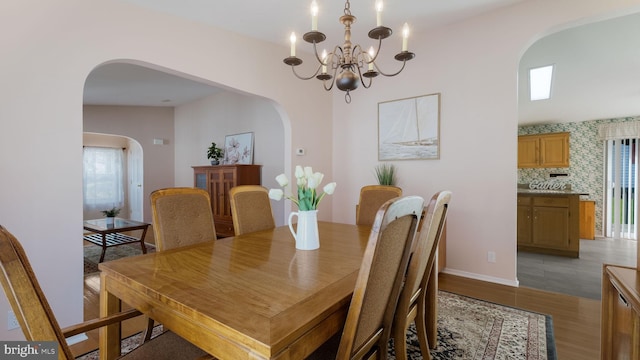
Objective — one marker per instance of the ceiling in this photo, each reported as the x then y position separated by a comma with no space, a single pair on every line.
269,20
596,76
581,55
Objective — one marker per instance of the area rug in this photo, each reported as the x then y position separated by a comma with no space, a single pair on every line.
467,329
92,254
473,329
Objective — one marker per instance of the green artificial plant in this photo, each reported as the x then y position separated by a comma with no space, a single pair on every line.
214,152
386,174
113,212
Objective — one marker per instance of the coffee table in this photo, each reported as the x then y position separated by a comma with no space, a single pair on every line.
107,234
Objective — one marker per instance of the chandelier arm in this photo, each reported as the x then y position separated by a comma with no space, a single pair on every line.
367,85
394,74
377,50
293,68
332,82
324,84
336,54
359,54
315,51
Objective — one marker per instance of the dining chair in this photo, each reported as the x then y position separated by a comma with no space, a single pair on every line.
251,209
412,305
181,216
368,325
38,323
371,198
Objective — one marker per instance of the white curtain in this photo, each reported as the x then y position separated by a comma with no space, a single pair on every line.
622,142
103,178
616,131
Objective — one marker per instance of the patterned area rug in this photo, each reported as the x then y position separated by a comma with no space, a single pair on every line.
474,329
92,254
467,329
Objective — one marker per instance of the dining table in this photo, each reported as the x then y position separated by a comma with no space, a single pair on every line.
251,296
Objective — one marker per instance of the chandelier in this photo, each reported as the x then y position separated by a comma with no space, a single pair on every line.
345,65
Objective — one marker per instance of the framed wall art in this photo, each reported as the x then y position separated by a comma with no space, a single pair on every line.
238,149
409,129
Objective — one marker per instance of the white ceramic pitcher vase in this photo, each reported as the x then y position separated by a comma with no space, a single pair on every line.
306,236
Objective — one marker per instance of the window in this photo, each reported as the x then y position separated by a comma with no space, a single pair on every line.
103,178
540,82
621,200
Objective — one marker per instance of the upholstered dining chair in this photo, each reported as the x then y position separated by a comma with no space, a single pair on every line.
38,322
250,209
412,305
181,216
368,325
371,198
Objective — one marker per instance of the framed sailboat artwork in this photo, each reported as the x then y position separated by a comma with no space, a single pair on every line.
409,129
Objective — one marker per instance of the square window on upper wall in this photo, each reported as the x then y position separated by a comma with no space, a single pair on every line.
540,82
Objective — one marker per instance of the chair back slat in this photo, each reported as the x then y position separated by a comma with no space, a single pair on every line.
26,297
368,324
181,216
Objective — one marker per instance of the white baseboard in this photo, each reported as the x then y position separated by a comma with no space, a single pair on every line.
480,277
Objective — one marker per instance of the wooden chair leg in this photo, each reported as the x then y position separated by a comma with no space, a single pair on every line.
148,331
421,330
400,341
430,307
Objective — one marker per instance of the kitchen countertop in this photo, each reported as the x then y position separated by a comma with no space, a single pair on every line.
549,192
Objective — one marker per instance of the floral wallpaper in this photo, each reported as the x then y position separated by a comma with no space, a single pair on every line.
586,171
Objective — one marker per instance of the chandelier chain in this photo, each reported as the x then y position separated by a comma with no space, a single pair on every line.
347,8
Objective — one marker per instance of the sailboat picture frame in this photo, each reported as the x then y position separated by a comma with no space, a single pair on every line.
409,129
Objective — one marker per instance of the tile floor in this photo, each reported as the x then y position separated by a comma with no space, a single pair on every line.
578,277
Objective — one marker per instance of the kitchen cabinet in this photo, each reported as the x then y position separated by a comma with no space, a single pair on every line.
587,219
549,150
524,219
549,224
218,180
620,325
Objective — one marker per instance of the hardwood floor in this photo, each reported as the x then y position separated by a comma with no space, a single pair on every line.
576,321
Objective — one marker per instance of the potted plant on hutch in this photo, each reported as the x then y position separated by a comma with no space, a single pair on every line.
111,214
215,154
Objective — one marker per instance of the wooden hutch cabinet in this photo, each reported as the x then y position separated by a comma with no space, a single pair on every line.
218,180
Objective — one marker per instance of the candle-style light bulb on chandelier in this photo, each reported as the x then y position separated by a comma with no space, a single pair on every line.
345,65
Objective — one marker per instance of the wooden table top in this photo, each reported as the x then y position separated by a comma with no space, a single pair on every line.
250,296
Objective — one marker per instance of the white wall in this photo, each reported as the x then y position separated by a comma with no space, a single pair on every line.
199,123
143,124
